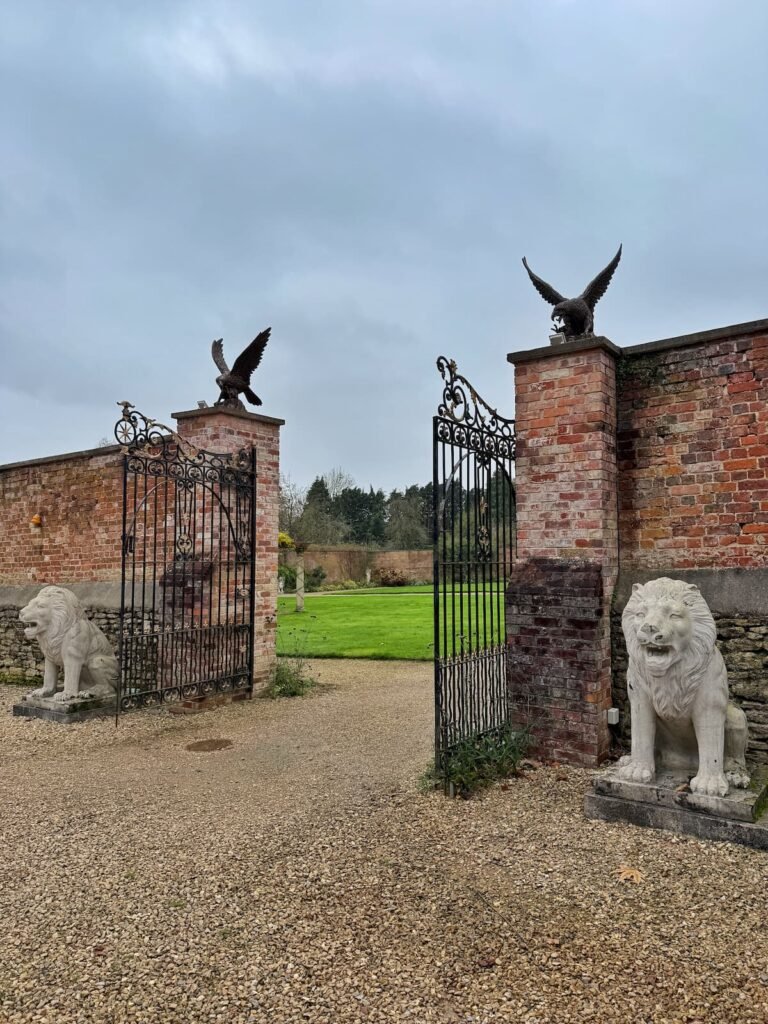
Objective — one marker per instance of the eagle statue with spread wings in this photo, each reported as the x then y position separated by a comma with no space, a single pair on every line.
237,381
575,317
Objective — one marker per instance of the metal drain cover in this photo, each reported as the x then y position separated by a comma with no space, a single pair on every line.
203,746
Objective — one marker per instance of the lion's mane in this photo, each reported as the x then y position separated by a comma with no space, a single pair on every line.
673,693
64,610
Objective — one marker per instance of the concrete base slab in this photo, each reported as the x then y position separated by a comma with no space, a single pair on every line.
671,789
677,819
68,713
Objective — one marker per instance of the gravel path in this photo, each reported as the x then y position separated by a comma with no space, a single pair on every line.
299,875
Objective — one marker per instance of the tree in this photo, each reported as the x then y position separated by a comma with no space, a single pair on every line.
364,514
291,501
318,496
405,520
337,480
319,522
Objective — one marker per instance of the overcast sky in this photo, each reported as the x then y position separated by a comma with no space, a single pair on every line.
363,177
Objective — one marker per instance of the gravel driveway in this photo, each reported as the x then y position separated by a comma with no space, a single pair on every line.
299,875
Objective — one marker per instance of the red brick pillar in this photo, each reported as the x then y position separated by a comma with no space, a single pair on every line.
558,602
227,430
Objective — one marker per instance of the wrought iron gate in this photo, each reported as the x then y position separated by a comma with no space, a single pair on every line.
188,544
474,543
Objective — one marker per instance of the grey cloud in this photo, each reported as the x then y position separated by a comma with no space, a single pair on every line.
365,178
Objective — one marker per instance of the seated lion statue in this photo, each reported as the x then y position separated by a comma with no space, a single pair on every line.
56,619
678,691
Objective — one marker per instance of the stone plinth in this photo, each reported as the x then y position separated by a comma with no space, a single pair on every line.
64,712
668,803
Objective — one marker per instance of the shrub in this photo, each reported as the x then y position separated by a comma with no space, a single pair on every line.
392,578
288,575
480,760
289,679
314,578
284,540
343,585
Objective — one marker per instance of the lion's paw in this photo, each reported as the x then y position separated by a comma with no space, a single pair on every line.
635,771
64,697
713,784
41,692
738,777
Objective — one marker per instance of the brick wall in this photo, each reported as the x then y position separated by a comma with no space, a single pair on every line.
558,606
79,500
685,448
693,452
350,561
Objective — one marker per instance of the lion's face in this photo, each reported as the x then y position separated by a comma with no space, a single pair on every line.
49,613
663,627
664,622
37,617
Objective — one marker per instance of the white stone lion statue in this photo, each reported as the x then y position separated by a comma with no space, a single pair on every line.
56,619
678,691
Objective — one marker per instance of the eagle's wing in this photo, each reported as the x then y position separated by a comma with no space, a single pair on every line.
596,289
250,357
546,291
217,351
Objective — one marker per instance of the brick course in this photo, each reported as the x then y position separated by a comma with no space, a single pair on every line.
693,455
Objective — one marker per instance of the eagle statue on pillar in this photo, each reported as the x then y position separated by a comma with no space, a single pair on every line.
575,317
237,381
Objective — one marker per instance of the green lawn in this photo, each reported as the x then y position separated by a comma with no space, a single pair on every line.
388,623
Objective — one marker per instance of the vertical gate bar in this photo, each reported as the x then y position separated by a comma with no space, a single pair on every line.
121,637
154,620
212,558
252,492
144,501
162,642
227,597
447,580
436,595
206,571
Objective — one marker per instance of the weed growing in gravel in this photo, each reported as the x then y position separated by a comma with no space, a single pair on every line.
291,677
478,761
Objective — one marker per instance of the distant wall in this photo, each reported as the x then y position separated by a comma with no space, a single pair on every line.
349,562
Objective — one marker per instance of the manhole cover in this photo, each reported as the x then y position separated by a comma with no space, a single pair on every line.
203,746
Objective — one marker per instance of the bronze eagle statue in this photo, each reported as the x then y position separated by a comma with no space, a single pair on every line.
237,381
574,317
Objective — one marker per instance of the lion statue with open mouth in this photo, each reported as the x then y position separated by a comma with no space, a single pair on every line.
678,691
56,619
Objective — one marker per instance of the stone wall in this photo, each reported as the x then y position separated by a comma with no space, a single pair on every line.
21,658
738,600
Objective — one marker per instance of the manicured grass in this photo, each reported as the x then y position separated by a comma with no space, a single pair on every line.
391,624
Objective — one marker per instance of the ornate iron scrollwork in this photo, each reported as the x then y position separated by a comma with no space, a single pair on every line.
467,420
155,449
462,404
